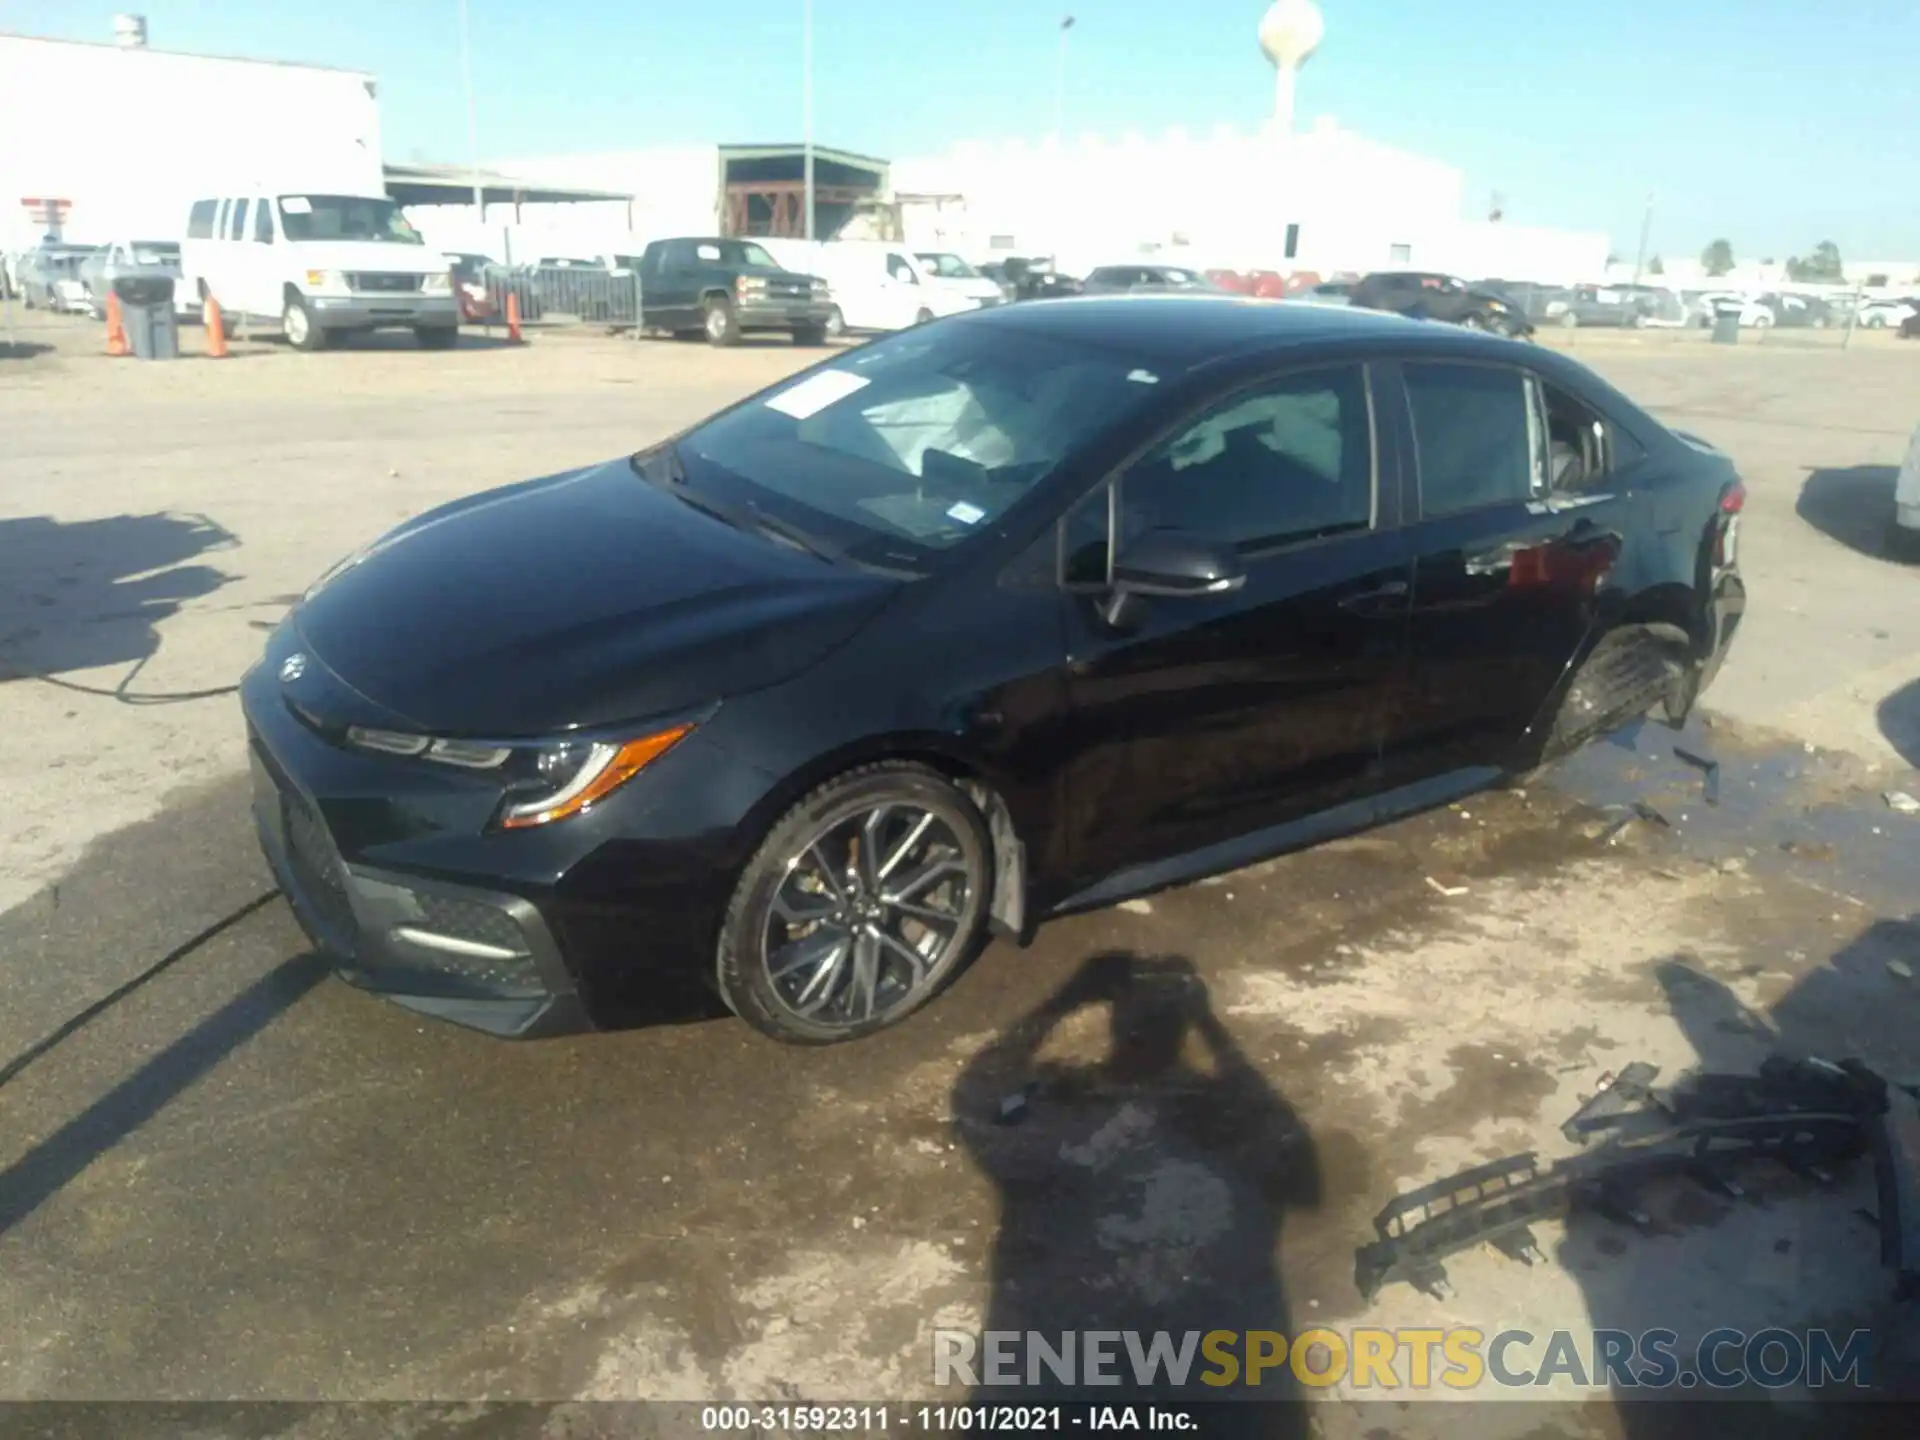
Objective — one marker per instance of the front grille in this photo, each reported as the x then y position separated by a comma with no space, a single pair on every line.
385,282
790,289
316,864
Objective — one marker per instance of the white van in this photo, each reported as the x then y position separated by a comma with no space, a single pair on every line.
319,266
947,269
876,285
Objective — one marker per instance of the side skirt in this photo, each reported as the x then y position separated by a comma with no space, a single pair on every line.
1347,819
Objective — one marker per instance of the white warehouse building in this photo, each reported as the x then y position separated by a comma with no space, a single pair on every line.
129,136
1325,200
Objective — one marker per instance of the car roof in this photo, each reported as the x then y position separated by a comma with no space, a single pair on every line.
1189,329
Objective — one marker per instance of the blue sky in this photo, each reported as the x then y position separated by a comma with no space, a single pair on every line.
1774,124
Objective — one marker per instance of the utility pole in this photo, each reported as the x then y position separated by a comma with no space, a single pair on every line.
806,107
1646,230
473,132
1060,85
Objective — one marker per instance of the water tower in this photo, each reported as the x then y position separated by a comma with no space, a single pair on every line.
1290,31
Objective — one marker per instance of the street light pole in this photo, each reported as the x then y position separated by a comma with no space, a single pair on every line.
1646,229
806,106
473,133
1060,85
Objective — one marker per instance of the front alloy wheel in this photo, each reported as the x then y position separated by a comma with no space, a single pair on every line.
863,902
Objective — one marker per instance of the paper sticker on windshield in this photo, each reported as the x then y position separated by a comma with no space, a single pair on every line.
296,205
816,392
707,252
966,514
1143,377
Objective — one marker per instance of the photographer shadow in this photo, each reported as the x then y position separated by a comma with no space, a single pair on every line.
1144,1170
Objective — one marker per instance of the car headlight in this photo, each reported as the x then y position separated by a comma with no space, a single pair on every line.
327,280
567,777
441,284
545,781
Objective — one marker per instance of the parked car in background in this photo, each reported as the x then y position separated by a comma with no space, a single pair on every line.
1659,306
1903,536
961,630
1136,279
1332,292
1429,295
49,278
1807,312
1753,315
1879,314
1600,305
1032,278
727,288
470,274
947,270
319,266
133,259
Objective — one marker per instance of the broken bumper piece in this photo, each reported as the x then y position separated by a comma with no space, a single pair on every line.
1808,1115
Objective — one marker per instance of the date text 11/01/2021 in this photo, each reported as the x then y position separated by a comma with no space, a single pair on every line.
1038,1419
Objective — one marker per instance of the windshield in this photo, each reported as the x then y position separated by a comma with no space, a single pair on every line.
345,217
948,267
913,443
740,252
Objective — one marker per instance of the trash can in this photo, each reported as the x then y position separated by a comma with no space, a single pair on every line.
146,309
1726,324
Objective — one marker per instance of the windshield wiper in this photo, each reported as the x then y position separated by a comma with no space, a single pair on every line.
791,535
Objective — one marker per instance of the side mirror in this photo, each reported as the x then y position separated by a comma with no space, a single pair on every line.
1171,564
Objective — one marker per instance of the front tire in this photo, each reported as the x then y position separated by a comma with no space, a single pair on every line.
722,325
297,324
836,324
925,317
864,900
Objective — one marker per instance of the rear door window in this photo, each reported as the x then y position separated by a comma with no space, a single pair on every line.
1475,436
237,221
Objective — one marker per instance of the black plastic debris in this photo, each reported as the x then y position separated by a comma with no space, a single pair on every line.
1710,768
1810,1116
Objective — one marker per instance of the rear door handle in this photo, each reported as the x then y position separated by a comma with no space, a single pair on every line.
1391,590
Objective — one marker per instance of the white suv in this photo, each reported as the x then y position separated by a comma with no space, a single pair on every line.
318,266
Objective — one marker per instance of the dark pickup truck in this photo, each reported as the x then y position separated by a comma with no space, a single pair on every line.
727,288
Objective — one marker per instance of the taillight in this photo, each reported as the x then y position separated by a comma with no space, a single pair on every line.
1726,544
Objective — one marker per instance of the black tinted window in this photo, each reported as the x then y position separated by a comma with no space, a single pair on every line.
1290,461
262,223
1472,435
200,220
237,220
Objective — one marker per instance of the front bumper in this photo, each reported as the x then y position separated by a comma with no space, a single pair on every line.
782,314
372,312
479,958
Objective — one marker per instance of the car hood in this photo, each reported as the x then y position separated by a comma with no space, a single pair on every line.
585,599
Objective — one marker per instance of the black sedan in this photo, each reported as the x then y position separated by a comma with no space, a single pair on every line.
1012,614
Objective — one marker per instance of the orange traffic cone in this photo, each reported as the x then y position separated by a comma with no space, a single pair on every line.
216,330
513,317
116,328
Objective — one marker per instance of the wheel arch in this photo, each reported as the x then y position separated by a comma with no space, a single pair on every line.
1010,912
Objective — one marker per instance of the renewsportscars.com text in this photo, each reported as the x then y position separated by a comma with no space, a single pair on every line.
1463,1358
